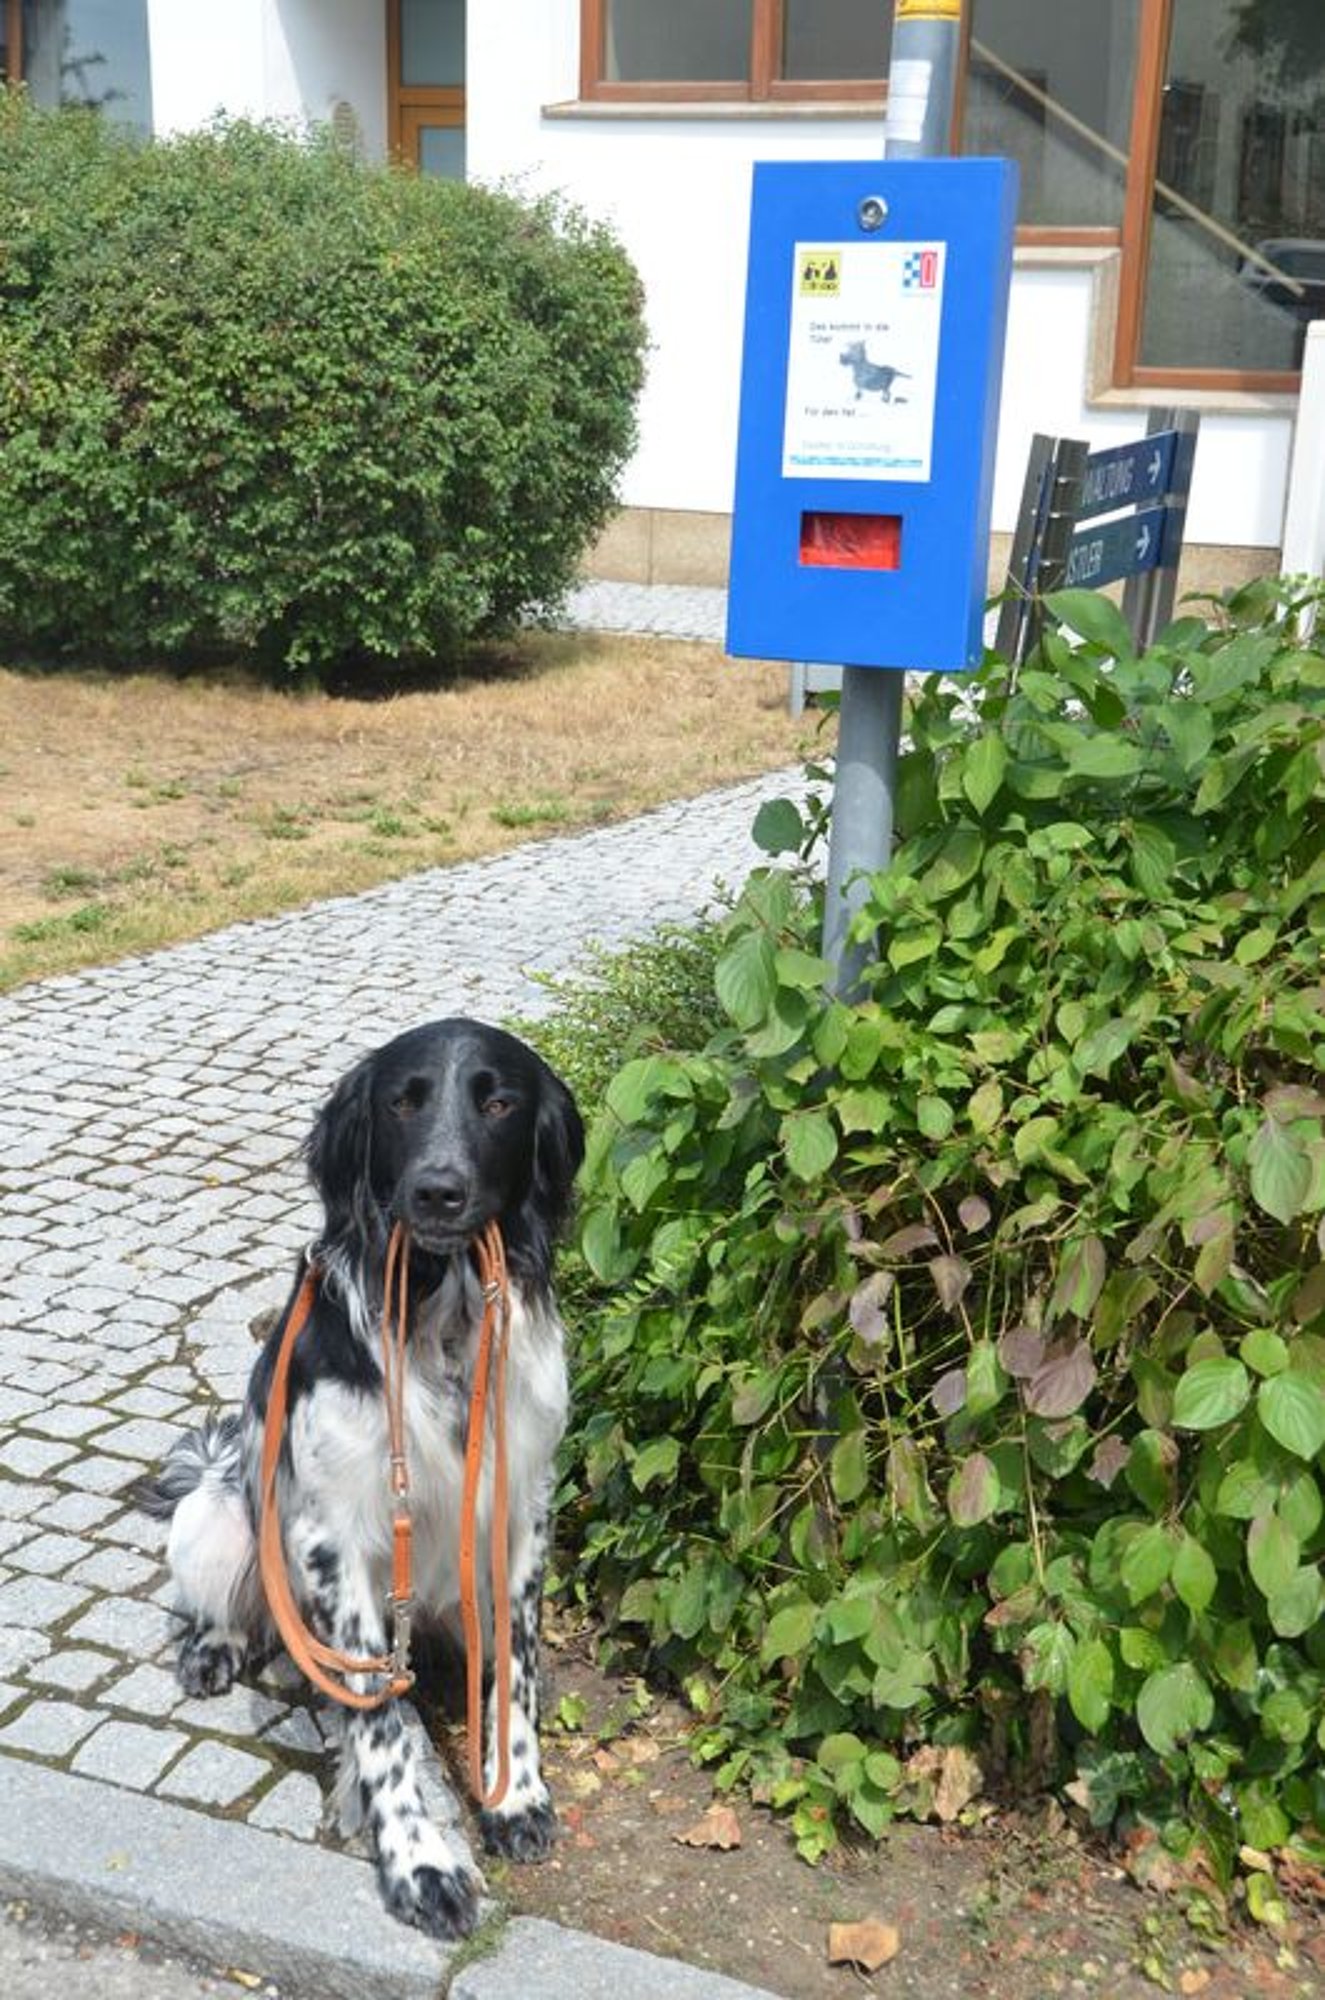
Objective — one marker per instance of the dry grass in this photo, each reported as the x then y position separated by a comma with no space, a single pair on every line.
139,810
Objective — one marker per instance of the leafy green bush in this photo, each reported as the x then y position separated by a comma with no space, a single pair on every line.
958,1374
254,394
657,993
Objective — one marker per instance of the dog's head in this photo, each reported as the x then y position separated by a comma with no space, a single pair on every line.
444,1129
852,353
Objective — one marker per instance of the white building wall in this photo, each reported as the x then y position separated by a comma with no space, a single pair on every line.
288,59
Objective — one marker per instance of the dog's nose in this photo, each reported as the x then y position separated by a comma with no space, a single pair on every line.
439,1196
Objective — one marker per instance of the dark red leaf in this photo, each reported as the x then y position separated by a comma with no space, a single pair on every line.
1063,1380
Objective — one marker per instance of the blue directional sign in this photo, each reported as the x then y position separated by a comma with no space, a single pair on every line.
1127,475
1114,549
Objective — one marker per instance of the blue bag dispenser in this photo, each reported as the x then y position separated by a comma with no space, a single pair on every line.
876,309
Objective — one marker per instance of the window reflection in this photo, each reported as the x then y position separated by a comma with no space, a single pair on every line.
683,41
1052,89
92,52
828,40
1238,220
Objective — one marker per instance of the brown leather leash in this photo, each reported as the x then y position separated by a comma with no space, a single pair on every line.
324,1665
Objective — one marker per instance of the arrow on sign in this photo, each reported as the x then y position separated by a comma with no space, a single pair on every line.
1155,467
1142,545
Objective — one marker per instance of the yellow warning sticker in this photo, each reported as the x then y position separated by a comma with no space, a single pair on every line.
820,272
929,10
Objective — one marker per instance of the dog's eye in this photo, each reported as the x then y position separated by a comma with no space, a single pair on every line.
409,1100
497,1106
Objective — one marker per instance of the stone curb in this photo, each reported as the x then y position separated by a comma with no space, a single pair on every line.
290,1911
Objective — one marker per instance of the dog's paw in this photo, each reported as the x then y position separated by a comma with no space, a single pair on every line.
207,1665
442,1902
527,1835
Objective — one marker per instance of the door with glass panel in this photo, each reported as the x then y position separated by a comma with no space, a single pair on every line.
426,65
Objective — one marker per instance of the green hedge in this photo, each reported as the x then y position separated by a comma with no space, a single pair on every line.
255,395
957,1377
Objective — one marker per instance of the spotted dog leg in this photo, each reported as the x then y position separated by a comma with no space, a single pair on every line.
424,1879
523,1826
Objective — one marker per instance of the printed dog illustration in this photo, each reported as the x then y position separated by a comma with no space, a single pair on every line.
870,376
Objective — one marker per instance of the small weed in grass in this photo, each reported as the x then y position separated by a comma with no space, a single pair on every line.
154,791
283,823
67,881
389,825
535,812
88,917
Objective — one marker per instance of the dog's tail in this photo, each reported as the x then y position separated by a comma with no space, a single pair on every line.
212,1549
213,1447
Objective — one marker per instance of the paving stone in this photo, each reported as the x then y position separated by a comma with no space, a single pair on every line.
294,1806
78,1669
242,1711
136,1530
114,1569
126,1625
29,1457
18,1499
65,1420
147,1690
48,1728
298,1731
38,1600
78,1510
214,1774
101,1475
20,1647
145,1401
144,1438
49,1555
129,1753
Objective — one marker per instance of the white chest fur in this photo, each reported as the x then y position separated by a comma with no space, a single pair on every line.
338,1440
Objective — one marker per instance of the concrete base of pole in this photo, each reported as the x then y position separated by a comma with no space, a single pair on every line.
861,839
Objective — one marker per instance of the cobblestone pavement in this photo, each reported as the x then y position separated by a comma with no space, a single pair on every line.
679,610
151,1203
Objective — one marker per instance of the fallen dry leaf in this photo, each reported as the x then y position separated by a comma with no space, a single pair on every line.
638,1749
953,1772
1194,1981
869,1944
718,1828
959,1781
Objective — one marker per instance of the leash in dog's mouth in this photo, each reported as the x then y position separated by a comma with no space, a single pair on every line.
332,1670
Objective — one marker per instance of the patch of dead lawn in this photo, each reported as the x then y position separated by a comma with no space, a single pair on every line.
137,810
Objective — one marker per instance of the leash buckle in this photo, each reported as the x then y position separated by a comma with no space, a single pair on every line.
402,1631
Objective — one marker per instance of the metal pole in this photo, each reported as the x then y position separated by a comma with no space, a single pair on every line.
922,85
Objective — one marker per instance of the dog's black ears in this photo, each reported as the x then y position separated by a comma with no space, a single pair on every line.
339,1149
558,1149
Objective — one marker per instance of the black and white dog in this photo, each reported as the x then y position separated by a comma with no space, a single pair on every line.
443,1129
